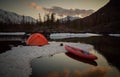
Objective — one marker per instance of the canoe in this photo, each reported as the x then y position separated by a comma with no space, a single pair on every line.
80,53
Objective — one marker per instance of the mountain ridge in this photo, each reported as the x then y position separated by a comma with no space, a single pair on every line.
105,20
7,17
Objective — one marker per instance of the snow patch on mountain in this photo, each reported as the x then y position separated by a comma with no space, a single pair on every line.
6,17
69,18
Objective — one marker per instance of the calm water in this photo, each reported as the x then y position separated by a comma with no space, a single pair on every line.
107,49
66,65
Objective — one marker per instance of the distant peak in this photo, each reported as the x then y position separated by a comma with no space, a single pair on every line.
7,16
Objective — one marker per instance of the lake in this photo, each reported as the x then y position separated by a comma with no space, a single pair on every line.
106,48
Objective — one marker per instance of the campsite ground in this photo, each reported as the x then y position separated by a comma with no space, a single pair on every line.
16,62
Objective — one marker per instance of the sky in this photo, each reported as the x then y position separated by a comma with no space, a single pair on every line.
61,8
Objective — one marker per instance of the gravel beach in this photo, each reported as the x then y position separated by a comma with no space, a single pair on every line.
16,62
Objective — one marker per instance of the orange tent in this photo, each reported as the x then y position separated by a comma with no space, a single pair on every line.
36,39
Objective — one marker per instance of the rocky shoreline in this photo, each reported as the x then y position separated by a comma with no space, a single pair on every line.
16,62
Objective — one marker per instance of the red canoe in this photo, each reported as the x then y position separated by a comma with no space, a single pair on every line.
80,53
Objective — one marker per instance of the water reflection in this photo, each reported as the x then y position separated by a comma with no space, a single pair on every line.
67,65
63,66
90,72
92,62
7,45
108,46
71,35
4,48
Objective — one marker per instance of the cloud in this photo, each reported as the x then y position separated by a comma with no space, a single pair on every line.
34,6
61,11
69,12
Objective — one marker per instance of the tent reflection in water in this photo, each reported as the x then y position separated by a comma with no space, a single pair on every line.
37,39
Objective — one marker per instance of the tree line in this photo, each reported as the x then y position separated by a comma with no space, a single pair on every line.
50,23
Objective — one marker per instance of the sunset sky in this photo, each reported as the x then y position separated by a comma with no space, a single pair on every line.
62,8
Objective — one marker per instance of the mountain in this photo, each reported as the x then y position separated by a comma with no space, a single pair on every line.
67,18
105,20
6,17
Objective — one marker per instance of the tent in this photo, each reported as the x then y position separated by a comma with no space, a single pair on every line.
36,39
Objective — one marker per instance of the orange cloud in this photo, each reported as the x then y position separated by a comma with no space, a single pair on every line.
35,6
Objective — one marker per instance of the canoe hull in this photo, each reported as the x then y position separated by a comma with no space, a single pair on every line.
80,53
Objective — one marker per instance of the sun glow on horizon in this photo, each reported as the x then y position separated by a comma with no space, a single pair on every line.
62,7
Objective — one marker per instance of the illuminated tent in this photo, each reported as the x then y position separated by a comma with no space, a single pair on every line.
36,39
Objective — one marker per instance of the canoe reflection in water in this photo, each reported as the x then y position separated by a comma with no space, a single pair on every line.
92,62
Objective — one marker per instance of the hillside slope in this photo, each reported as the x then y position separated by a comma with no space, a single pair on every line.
105,20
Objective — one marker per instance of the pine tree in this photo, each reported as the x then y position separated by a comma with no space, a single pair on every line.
40,20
